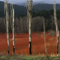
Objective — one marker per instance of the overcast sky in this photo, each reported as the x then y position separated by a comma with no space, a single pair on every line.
43,1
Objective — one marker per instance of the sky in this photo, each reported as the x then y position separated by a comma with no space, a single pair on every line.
43,1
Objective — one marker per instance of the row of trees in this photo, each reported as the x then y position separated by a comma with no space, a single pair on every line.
57,30
29,2
6,11
36,24
29,18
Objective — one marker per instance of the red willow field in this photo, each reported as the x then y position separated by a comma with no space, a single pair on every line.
22,43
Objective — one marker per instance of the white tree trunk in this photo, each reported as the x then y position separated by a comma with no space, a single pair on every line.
29,2
7,23
56,24
30,44
13,35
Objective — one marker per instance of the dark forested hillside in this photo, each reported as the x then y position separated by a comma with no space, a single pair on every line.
21,10
18,9
39,10
39,7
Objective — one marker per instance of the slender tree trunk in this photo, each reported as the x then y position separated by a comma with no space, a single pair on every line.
30,18
7,23
30,40
44,35
12,26
56,24
29,2
13,35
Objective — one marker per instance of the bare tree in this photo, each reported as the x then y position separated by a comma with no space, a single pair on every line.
29,2
7,23
13,35
44,35
12,24
56,24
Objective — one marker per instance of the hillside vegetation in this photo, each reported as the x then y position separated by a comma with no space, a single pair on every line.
39,10
21,10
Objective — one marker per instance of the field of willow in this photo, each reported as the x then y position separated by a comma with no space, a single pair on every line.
22,44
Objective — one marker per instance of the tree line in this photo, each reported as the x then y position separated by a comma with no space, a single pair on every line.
29,24
46,14
21,24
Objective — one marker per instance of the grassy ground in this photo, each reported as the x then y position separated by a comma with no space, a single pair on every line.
17,57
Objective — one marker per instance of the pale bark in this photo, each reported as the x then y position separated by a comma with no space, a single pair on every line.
30,40
13,35
29,2
7,23
56,24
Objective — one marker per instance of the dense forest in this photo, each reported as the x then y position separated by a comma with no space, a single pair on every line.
18,9
39,11
37,24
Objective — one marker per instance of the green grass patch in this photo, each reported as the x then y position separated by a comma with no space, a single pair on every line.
27,58
3,57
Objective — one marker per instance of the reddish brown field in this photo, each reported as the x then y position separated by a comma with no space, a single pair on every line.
22,43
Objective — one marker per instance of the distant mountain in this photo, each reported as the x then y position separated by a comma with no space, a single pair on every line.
39,7
22,10
24,4
18,9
